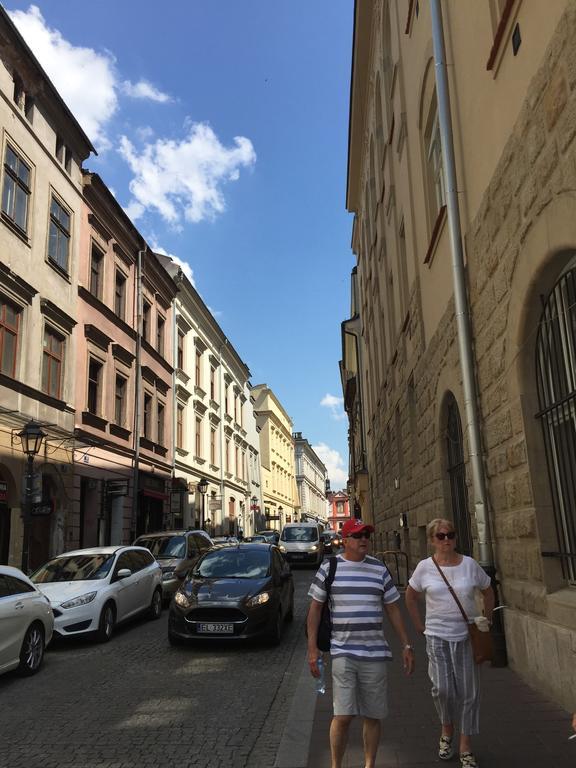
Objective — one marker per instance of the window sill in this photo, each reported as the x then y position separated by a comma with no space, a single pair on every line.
435,238
118,431
182,451
58,269
199,460
146,443
93,420
15,229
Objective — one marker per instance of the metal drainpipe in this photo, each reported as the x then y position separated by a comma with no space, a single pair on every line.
138,372
460,293
463,323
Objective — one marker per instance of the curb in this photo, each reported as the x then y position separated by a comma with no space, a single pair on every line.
294,747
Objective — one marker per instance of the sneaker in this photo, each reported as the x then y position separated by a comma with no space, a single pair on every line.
445,750
467,760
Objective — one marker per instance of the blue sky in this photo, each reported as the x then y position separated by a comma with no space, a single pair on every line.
221,128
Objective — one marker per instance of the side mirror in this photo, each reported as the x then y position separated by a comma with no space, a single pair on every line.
123,573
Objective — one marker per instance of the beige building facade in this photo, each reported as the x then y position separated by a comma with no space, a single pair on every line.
511,76
279,492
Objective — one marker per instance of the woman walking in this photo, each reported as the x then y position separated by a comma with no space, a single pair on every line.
451,667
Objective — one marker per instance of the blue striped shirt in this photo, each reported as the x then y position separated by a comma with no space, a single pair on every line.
357,598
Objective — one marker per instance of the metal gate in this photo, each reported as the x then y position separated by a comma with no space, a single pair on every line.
457,475
556,378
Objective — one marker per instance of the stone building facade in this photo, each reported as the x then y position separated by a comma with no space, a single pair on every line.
311,477
512,86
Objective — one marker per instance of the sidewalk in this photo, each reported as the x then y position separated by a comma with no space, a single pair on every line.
518,726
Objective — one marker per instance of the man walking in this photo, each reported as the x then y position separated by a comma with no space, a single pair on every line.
362,590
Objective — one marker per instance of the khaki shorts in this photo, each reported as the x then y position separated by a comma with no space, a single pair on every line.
360,687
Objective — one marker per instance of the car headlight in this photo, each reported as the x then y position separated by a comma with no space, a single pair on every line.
313,548
82,600
282,549
182,599
260,599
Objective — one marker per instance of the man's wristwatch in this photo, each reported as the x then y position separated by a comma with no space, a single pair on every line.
409,648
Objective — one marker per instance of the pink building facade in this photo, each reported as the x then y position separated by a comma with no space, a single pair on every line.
338,509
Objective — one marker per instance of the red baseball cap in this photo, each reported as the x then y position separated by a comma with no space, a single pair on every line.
355,526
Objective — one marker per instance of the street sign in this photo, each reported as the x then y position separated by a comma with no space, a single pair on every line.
3,492
214,503
41,509
117,487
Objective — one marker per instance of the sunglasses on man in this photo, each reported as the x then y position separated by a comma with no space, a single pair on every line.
441,536
361,535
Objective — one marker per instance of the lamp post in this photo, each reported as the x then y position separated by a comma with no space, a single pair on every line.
202,487
280,510
31,438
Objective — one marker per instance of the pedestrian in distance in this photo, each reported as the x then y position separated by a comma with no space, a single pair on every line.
451,666
362,591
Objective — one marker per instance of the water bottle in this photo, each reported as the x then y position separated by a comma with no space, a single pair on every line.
320,681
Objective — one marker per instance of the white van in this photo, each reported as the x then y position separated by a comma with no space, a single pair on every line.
303,543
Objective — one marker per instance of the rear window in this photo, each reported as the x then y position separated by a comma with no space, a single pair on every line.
164,547
300,533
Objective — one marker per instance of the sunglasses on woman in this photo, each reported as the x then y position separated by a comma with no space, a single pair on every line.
362,535
441,536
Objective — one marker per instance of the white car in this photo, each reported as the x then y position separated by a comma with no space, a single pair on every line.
92,590
26,622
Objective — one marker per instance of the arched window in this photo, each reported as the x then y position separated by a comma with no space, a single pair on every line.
556,378
457,475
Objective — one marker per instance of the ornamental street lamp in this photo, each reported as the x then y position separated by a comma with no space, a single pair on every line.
202,487
31,438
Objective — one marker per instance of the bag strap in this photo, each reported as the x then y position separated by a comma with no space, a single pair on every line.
332,563
458,603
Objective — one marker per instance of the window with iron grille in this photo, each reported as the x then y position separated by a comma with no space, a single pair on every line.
180,350
556,378
147,416
180,426
120,401
52,362
198,437
160,424
456,467
120,294
96,271
434,165
16,189
9,328
59,235
160,323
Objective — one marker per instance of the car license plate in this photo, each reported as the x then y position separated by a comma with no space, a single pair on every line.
297,555
215,629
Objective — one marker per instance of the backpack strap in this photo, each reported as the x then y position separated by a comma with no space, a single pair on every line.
332,563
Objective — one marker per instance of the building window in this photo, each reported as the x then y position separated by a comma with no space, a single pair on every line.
213,447
63,154
180,351
29,108
94,385
120,294
120,401
52,363
160,424
59,235
160,323
18,93
434,165
179,426
146,311
198,369
457,475
237,461
16,189
9,327
227,455
96,271
147,421
198,437
556,379
212,383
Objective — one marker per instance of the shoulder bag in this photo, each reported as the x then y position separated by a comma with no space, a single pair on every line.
482,645
325,625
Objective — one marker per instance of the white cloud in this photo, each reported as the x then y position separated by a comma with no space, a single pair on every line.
335,405
184,266
184,179
334,464
144,90
86,79
71,69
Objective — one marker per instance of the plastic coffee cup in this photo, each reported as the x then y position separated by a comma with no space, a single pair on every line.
482,623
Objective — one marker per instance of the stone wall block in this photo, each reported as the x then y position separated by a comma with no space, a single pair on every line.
546,165
528,196
498,358
534,139
555,97
519,491
523,524
566,129
516,454
498,430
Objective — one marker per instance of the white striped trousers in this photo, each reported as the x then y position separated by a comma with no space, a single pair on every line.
455,683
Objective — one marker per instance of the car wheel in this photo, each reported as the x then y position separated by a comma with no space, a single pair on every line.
32,651
106,623
156,604
276,633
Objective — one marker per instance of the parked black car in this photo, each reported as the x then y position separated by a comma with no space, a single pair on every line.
332,541
234,592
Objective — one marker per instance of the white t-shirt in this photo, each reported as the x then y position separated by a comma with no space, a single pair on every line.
443,617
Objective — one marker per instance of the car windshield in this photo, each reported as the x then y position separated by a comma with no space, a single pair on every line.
164,547
234,564
299,534
74,568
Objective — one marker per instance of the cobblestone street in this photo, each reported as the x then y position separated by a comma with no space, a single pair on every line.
137,702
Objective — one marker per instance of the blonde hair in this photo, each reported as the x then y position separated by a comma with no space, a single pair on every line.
438,522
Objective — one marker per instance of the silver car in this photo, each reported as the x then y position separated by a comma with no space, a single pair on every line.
26,622
176,552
